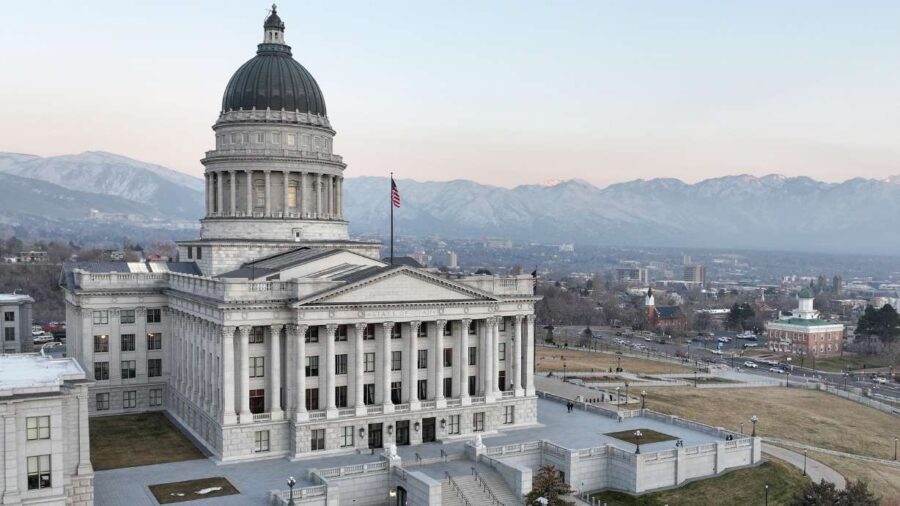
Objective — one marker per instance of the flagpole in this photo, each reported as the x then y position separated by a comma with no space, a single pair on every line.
391,203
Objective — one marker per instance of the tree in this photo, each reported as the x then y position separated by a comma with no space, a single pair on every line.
825,494
739,315
884,323
548,484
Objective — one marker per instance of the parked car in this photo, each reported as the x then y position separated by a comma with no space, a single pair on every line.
881,381
777,370
716,352
750,345
751,365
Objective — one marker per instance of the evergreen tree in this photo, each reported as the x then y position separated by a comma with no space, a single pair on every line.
825,494
548,484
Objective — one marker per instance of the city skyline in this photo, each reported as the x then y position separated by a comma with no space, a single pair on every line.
651,91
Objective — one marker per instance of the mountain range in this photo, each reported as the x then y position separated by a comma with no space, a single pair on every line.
767,213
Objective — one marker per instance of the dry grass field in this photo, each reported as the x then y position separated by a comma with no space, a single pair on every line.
549,359
137,440
883,480
805,416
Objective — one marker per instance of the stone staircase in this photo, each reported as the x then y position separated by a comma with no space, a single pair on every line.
473,491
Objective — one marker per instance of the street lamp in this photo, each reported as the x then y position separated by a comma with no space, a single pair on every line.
290,483
626,393
644,400
564,369
753,420
618,364
695,379
787,384
618,399
742,428
804,462
895,448
767,495
637,438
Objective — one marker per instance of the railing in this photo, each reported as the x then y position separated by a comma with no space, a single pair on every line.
304,493
353,469
346,412
480,480
478,400
456,489
317,415
401,408
374,410
262,417
454,403
429,404
508,394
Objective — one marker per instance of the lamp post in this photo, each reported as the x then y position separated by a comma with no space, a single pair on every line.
767,495
637,437
618,364
895,448
290,483
626,393
753,420
787,384
564,369
742,427
618,399
644,400
804,462
695,379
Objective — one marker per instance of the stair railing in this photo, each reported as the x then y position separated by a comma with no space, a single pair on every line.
480,480
457,489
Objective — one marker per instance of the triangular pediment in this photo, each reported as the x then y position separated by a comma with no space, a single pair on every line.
402,284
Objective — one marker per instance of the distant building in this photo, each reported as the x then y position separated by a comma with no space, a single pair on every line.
566,248
496,243
804,333
837,284
695,273
15,310
636,274
46,450
452,260
32,257
665,319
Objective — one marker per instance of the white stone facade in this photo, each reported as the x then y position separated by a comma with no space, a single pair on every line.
15,323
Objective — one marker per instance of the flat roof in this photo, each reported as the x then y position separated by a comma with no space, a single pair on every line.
14,298
32,373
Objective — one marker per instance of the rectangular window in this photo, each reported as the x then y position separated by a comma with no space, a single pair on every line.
257,335
9,316
257,367
257,400
312,334
154,341
423,359
448,357
369,362
9,333
101,344
127,342
478,421
473,328
101,401
101,317
276,138
369,394
312,399
261,441
340,396
422,330
501,324
448,387
454,424
126,316
260,137
501,354
396,360
155,397
369,333
154,315
396,392
422,388
190,252
154,367
346,436
37,427
509,414
395,331
340,364
317,439
199,253
39,472
292,195
101,371
128,369
473,355
129,399
340,334
448,329
472,385
312,366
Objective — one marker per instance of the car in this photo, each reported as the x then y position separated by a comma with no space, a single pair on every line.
648,339
881,381
751,345
716,352
777,370
724,339
751,365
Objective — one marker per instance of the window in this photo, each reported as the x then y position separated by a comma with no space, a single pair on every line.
190,252
291,139
154,315
478,421
101,371
509,414
340,334
346,436
501,354
127,342
276,137
128,369
199,253
395,331
369,394
454,424
312,334
101,344
101,401
369,333
257,335
473,355
472,385
422,330
340,364
448,329
261,441
9,333
396,359
423,359
10,316
154,341
129,399
101,317
312,399
312,366
257,400
422,387
292,195
259,188
448,387
317,439
473,328
501,324
154,367
369,362
155,397
39,472
257,367
448,357
37,427
396,392
501,381
245,138
126,316
340,396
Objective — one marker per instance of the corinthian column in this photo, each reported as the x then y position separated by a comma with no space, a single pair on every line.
275,371
329,370
438,361
244,383
298,334
517,349
490,325
233,193
249,192
285,179
219,191
268,193
463,359
359,370
228,415
412,391
529,355
386,366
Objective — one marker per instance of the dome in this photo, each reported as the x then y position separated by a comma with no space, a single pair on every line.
805,294
273,79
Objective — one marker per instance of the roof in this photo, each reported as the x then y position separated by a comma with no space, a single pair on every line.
407,261
804,322
15,298
806,293
279,261
104,267
668,312
26,373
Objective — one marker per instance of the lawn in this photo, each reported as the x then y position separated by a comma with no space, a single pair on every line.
736,488
883,480
647,436
806,416
137,440
854,362
191,490
548,359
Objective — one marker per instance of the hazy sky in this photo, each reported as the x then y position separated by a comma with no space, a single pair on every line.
502,92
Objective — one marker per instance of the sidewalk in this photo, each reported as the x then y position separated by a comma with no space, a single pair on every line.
816,470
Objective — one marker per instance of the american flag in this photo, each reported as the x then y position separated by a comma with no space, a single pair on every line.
395,194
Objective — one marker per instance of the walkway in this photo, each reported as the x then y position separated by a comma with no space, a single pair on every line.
816,470
854,456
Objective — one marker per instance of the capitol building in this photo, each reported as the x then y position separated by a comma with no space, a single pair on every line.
277,335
